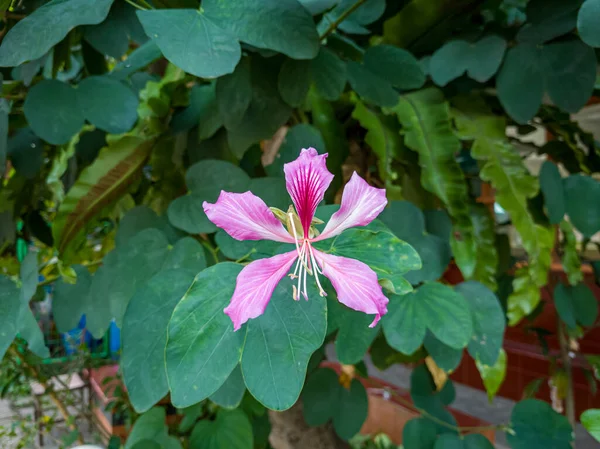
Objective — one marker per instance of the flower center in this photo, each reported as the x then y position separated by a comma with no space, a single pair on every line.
306,265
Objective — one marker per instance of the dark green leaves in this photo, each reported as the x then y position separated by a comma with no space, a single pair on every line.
536,426
202,348
371,87
587,22
294,81
324,399
452,441
480,60
432,306
205,180
37,33
581,192
52,111
551,184
108,104
191,40
576,305
234,93
395,65
144,336
419,433
530,70
283,25
328,74
279,344
9,312
70,301
231,429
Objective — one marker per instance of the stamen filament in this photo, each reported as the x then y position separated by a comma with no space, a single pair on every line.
314,262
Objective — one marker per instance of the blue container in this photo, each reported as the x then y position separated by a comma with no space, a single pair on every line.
114,340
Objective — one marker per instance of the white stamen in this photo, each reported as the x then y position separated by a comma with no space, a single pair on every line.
314,263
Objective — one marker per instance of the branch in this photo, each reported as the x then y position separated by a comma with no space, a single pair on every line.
341,18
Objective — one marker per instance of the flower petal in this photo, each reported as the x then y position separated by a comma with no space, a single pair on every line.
254,287
361,204
307,179
355,283
244,216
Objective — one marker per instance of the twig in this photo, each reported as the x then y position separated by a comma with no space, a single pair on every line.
51,394
341,18
135,5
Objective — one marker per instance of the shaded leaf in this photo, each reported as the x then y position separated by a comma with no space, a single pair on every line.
551,184
493,375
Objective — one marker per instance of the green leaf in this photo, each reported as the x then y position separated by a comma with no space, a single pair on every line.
279,344
108,104
294,80
10,305
576,305
295,34
37,33
140,218
424,394
551,184
355,336
424,116
480,60
485,233
71,301
112,36
472,441
580,192
536,426
371,87
205,180
329,74
548,19
419,433
186,254
4,111
432,306
587,22
320,397
352,410
137,59
354,23
144,336
383,138
202,112
445,357
26,152
29,330
28,273
198,332
192,40
395,65
231,429
488,321
52,111
590,419
149,426
570,259
230,394
234,94
98,186
529,70
493,375
503,167
298,136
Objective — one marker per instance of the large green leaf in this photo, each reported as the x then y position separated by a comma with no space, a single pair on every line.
279,344
419,433
503,167
590,419
536,426
108,104
37,33
234,94
444,356
354,336
576,304
192,40
471,441
425,395
202,348
201,112
581,192
548,19
352,410
551,184
29,330
149,426
144,336
329,74
10,305
71,301
424,116
294,81
251,21
488,321
140,218
205,180
370,86
230,394
432,306
98,186
395,65
480,60
231,429
53,112
530,70
587,21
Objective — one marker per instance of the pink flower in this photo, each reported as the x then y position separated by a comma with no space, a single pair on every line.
244,216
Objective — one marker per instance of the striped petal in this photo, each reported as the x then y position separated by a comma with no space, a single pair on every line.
244,216
355,284
361,204
254,287
307,179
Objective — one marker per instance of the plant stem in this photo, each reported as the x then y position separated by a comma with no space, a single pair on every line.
567,366
62,408
135,5
341,18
